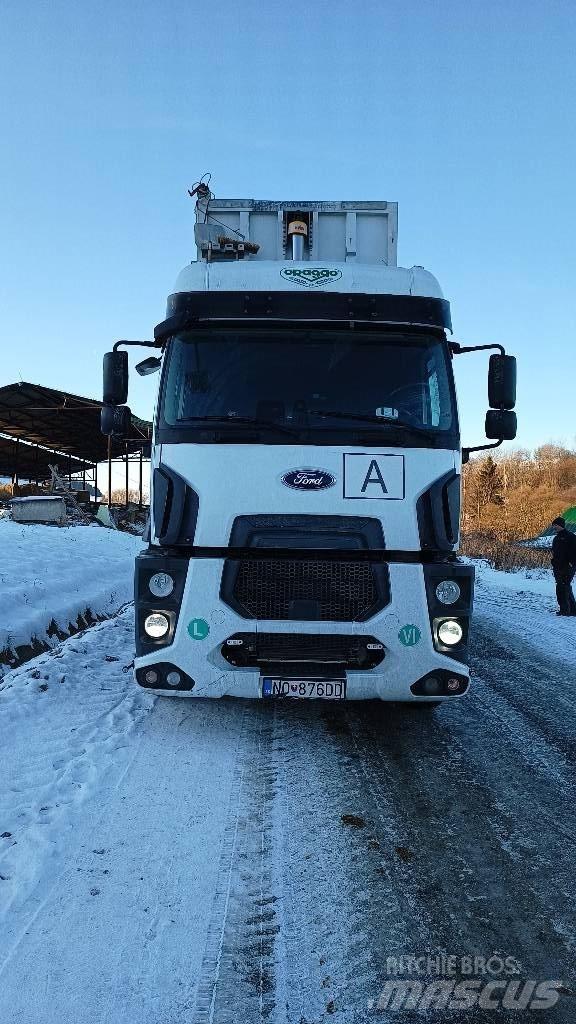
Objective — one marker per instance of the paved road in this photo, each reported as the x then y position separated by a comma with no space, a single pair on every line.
235,862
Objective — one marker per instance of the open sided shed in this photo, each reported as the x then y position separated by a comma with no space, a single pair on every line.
30,462
43,426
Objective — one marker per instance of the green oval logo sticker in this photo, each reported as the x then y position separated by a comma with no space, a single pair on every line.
198,629
310,277
409,636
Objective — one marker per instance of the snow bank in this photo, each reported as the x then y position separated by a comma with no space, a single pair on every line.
521,581
523,604
47,573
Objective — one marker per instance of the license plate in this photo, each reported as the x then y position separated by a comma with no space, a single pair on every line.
317,689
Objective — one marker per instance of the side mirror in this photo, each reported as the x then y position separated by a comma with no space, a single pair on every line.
501,424
115,374
148,366
502,383
115,420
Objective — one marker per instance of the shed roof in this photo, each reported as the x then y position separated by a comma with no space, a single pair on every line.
62,422
34,463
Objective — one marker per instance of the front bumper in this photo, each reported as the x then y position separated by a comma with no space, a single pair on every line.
201,624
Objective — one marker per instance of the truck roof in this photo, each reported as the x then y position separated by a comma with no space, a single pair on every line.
290,275
248,247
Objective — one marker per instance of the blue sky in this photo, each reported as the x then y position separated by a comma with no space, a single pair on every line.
460,111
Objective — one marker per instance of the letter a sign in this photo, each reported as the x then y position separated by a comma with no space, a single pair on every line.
373,476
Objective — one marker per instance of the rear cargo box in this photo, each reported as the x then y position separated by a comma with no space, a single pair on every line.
363,232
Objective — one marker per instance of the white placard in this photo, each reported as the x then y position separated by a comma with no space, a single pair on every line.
373,476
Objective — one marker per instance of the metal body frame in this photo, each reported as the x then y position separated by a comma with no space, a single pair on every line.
266,221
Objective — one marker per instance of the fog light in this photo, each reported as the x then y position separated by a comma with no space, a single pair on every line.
448,592
151,677
161,584
453,684
450,632
431,685
156,625
173,679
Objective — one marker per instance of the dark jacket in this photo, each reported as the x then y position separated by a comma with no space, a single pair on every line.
564,551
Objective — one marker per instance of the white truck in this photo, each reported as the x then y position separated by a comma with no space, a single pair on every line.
306,461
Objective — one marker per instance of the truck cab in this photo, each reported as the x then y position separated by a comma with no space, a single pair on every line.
306,465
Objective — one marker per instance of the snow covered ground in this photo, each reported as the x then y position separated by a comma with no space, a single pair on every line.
189,862
523,604
50,573
63,720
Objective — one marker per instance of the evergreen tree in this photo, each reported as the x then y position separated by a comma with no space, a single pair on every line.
490,483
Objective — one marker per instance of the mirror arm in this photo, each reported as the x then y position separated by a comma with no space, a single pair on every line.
466,452
142,344
457,349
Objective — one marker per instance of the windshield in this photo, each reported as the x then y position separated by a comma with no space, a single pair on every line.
308,383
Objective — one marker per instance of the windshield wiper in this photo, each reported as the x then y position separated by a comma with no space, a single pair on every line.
251,421
381,420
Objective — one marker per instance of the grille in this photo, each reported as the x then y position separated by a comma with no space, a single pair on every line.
320,590
256,649
309,587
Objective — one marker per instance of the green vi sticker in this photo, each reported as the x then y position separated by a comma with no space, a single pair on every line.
409,636
198,629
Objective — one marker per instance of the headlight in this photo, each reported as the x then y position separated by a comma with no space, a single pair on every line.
161,584
156,625
448,592
450,632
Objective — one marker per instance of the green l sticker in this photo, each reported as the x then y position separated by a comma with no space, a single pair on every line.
198,629
409,636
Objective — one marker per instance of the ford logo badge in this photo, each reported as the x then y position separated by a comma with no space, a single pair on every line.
308,479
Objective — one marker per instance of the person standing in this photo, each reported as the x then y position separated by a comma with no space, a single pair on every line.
564,566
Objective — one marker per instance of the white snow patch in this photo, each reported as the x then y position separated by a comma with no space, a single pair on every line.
56,573
523,603
65,719
521,581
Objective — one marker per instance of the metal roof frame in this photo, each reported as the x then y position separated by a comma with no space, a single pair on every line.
63,423
33,462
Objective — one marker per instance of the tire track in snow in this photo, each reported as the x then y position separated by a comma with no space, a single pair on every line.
237,980
490,867
287,937
327,899
531,692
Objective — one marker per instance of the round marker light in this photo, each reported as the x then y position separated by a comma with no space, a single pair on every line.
151,677
161,584
450,632
453,684
156,625
448,592
173,678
